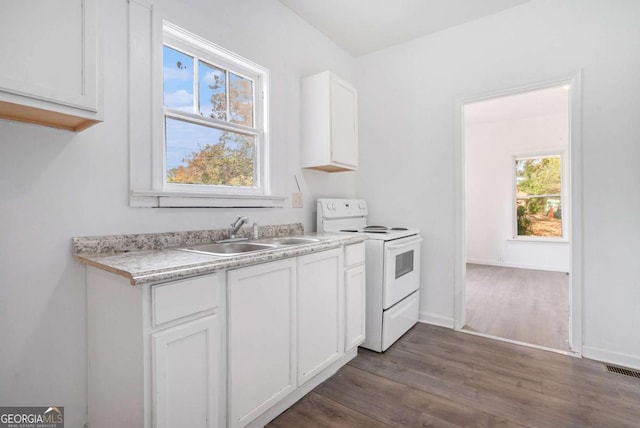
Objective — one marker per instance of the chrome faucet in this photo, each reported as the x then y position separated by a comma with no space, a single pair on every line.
236,225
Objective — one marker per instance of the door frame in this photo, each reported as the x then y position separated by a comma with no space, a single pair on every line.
575,234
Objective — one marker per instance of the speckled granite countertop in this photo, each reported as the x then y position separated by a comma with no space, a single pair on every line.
145,258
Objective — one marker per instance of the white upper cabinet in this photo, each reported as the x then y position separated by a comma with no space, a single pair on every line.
50,64
329,123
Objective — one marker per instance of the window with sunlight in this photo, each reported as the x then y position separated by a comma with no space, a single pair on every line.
213,119
538,188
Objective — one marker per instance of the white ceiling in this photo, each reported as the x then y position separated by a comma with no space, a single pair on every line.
553,100
364,26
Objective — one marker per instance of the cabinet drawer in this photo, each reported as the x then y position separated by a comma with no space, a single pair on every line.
182,298
353,254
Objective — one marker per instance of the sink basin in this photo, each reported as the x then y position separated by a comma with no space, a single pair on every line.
293,240
229,249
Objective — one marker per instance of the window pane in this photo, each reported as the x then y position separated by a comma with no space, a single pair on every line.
212,92
178,80
538,176
198,154
538,196
539,216
240,100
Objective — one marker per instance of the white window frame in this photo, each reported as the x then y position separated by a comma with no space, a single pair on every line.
147,35
514,194
192,45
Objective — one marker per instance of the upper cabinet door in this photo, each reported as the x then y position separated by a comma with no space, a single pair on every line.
329,123
49,63
344,132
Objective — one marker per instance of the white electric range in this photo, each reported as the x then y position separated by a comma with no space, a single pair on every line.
392,269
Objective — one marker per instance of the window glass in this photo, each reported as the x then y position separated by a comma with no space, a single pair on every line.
178,80
404,263
240,100
198,154
212,92
539,196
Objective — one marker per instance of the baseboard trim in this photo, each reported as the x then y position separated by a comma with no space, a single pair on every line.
427,318
617,358
517,265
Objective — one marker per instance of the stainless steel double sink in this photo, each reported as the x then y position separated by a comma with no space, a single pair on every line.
229,249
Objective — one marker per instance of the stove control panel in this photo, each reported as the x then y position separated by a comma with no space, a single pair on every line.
342,208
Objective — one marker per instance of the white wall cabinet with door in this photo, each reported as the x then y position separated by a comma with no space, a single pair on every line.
156,352
329,123
67,96
354,295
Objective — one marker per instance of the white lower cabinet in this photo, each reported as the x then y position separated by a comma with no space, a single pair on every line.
156,352
354,295
286,326
320,310
174,354
262,338
185,380
354,290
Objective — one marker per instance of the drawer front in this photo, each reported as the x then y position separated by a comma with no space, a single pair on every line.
397,320
183,298
353,254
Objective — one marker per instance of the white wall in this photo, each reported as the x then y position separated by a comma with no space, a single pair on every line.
490,148
407,96
55,185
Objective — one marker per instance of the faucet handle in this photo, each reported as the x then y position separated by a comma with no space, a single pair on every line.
239,221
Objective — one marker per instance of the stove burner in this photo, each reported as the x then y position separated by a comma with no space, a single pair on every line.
368,228
349,230
399,228
375,231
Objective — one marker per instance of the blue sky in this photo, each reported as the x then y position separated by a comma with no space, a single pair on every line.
178,82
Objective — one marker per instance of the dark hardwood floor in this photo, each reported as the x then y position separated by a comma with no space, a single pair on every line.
437,377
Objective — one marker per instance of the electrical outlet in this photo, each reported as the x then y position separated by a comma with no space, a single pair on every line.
296,200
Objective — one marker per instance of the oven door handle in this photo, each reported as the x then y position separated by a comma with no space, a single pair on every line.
404,244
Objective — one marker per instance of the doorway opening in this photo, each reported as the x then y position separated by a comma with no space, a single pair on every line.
516,248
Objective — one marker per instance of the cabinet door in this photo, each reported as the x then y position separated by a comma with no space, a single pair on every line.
344,132
185,380
262,338
49,63
354,291
320,321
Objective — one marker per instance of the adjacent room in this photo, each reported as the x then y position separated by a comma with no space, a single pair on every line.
517,210
320,213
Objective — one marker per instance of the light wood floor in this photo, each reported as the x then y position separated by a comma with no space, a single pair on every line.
438,377
530,306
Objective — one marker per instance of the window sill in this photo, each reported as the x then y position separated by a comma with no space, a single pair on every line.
190,200
524,240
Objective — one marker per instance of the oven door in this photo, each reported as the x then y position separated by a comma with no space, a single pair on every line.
401,269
